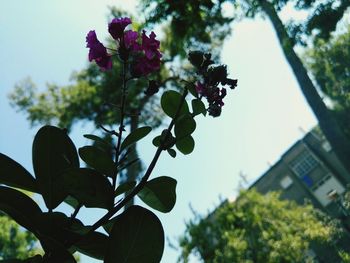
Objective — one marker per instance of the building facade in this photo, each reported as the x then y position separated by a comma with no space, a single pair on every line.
308,171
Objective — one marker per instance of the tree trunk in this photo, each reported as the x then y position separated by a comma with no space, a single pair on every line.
327,123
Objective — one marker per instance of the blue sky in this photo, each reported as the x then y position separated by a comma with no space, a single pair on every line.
261,118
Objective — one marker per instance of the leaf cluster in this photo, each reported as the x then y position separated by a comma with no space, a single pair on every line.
255,228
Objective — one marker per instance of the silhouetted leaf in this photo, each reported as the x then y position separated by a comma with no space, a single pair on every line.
34,259
19,207
98,140
159,193
192,89
70,200
135,136
127,186
198,107
137,236
89,187
98,159
56,252
172,152
15,175
185,126
185,145
156,141
93,245
53,153
170,101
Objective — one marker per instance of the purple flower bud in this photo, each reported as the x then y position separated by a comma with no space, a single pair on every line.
117,27
98,52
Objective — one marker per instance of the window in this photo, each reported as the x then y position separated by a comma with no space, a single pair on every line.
326,146
286,182
303,164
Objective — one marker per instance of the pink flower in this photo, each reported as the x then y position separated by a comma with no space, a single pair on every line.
117,27
98,52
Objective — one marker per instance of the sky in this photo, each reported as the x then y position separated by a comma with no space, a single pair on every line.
261,118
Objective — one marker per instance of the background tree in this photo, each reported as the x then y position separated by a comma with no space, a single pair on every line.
15,242
256,228
329,63
202,18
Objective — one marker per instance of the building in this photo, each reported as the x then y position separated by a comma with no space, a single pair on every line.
308,170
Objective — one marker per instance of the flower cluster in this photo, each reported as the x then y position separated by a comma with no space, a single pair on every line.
143,49
212,77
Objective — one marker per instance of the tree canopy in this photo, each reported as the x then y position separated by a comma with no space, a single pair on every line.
329,63
256,228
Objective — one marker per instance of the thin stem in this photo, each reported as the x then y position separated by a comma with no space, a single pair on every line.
121,126
144,179
76,211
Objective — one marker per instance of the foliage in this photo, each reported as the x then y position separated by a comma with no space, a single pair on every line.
255,228
323,16
329,63
14,241
136,234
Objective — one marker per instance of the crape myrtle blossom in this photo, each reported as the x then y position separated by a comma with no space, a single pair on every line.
211,77
151,60
117,26
98,51
144,52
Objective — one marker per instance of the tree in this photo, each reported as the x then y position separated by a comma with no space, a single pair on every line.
329,63
256,228
201,18
14,241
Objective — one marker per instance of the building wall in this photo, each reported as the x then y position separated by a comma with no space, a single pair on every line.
307,172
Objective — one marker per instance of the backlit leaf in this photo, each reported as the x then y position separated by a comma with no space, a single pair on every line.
98,159
185,145
15,175
159,193
53,153
170,101
136,236
135,136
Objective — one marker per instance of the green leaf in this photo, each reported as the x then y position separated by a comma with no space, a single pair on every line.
159,193
170,102
57,226
137,236
172,152
98,159
93,245
19,207
53,153
135,136
185,145
34,259
198,107
127,186
56,252
156,141
185,126
70,200
89,187
192,89
98,140
15,175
